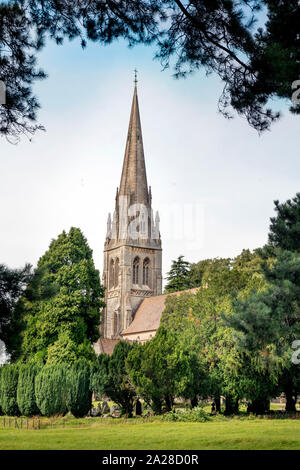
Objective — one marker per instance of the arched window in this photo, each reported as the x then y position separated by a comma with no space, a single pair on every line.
117,272
146,265
135,271
111,274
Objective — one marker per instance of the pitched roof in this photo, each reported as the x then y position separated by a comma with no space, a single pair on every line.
148,314
105,345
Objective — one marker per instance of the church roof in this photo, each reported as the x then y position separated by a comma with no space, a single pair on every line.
134,179
105,345
148,314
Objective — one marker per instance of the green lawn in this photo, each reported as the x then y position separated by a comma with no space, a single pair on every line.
120,434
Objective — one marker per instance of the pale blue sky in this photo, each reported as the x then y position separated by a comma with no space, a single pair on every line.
68,175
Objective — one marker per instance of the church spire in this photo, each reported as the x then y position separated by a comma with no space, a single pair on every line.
134,179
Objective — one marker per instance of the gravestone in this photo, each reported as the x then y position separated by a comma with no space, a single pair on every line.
105,408
115,411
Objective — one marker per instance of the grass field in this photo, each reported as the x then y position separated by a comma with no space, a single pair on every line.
230,433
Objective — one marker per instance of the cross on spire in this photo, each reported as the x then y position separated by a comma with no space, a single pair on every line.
135,77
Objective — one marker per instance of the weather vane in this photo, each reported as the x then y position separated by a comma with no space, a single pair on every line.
135,76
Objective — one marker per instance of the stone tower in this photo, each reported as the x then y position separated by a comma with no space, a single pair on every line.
132,252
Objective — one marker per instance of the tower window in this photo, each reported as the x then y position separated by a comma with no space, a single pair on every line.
117,272
111,274
135,271
143,225
146,265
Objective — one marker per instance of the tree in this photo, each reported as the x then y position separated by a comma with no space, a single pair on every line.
110,378
99,375
79,395
255,64
9,384
18,71
201,272
12,284
51,390
26,389
285,227
162,369
117,384
178,276
267,323
60,308
199,321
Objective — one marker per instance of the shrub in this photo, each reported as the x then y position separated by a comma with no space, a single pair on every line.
79,395
197,414
25,392
9,384
51,390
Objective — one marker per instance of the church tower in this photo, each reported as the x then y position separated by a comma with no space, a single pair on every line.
132,268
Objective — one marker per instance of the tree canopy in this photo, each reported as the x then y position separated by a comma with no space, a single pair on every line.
267,323
59,313
220,36
12,285
178,276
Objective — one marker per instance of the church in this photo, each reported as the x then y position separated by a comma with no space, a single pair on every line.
132,267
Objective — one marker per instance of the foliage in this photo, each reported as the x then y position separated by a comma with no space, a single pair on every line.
59,310
117,384
201,272
178,276
285,227
99,375
195,415
109,378
255,64
267,323
9,384
26,389
199,322
12,284
79,395
18,71
51,390
163,369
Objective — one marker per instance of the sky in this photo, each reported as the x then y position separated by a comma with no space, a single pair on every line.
198,163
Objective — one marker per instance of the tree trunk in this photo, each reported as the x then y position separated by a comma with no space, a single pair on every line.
169,402
194,402
138,408
259,406
218,403
128,409
232,406
156,406
291,400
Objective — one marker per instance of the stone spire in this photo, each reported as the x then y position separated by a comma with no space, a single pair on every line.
132,250
134,179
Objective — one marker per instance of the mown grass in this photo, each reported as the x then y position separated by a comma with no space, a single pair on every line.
240,433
